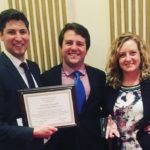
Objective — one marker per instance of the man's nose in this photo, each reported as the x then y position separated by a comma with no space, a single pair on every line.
74,46
18,37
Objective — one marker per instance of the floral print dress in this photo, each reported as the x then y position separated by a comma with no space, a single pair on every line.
128,111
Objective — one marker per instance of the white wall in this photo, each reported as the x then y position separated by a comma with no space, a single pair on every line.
3,5
93,14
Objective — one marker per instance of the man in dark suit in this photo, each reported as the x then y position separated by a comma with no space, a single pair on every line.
74,42
14,33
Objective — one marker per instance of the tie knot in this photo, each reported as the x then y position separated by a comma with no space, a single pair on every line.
77,74
24,66
28,75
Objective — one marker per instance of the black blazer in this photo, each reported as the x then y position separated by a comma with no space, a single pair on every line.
111,96
87,135
11,135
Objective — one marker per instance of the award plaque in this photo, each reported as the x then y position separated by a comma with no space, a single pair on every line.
52,105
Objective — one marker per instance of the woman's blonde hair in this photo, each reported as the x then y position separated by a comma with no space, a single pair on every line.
113,70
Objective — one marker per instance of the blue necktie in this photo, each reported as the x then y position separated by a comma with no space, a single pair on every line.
80,92
28,75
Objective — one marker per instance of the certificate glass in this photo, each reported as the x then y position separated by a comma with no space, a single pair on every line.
103,126
54,106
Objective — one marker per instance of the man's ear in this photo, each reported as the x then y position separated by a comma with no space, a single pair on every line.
1,36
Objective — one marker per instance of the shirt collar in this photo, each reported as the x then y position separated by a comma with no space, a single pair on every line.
68,70
16,62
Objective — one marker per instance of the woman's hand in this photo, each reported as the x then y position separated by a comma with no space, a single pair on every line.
147,129
111,130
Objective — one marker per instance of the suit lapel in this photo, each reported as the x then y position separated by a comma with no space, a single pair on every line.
58,78
113,94
34,72
12,71
145,92
92,82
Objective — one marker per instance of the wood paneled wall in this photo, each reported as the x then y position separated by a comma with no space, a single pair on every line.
130,16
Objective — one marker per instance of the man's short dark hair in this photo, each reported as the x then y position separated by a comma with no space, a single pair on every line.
12,14
78,29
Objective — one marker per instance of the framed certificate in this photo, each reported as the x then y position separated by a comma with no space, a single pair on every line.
53,105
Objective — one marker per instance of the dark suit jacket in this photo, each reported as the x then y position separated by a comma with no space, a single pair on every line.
87,135
111,96
13,137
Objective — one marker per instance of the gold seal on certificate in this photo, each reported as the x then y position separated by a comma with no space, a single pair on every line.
53,105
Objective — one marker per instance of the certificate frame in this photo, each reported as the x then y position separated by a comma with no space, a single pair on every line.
51,105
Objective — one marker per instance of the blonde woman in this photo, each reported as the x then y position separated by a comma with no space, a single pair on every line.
128,93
